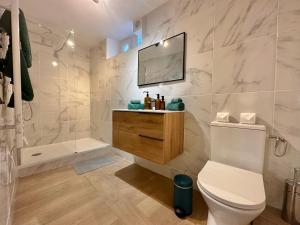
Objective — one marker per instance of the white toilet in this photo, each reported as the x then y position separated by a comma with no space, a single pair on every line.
232,183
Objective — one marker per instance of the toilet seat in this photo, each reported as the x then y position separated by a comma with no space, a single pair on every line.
232,186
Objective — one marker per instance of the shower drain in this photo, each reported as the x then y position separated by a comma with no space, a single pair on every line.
36,154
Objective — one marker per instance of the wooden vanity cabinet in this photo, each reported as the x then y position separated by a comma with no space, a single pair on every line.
156,136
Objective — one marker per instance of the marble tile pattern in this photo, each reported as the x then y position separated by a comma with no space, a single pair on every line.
245,67
61,107
288,61
8,168
242,56
238,21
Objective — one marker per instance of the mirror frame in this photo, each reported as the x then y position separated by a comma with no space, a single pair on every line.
183,62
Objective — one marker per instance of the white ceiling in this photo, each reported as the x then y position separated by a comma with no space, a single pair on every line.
91,22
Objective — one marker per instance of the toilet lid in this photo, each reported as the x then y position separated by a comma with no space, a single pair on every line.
232,186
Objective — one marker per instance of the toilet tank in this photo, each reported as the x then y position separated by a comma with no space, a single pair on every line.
238,145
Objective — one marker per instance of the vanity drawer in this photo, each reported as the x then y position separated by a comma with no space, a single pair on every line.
146,124
138,117
142,146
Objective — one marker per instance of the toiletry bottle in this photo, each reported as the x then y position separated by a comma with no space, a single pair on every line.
162,103
147,101
152,104
157,103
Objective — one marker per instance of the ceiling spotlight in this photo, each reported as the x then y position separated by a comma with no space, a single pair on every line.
70,43
166,44
54,63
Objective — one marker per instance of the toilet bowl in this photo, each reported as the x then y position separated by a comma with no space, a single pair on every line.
234,196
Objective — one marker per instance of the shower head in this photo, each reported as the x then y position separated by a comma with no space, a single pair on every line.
69,40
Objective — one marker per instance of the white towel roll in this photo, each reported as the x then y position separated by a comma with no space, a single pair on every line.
248,118
222,117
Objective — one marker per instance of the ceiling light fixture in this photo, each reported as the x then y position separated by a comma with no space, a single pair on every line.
54,63
70,43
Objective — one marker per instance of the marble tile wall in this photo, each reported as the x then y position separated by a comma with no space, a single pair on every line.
61,107
242,56
8,168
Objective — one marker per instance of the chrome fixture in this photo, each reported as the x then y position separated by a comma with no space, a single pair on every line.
278,141
69,41
291,201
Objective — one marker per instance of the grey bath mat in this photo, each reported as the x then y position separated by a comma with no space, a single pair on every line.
93,164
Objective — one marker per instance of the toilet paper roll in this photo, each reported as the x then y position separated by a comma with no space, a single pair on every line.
248,118
222,117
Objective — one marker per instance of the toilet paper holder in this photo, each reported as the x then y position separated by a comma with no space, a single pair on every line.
279,140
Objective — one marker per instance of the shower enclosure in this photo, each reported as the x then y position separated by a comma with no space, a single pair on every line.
11,130
57,121
54,129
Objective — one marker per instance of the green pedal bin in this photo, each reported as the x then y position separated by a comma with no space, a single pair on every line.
183,195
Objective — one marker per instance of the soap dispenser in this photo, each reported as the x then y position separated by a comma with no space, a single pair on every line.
157,103
147,101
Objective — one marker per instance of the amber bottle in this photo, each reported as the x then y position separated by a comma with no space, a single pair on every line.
147,101
162,103
157,103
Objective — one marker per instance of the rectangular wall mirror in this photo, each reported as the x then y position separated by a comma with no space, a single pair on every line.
162,62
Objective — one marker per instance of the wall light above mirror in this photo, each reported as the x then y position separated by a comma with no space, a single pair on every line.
163,61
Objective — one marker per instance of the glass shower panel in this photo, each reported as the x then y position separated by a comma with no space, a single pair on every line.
49,119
